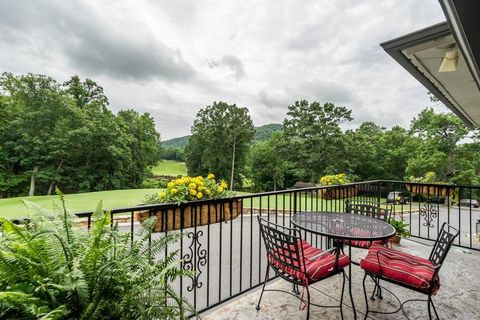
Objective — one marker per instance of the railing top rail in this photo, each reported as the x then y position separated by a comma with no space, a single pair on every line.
270,193
236,197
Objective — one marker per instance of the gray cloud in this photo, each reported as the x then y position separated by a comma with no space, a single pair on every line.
273,101
90,44
150,55
327,91
231,62
98,53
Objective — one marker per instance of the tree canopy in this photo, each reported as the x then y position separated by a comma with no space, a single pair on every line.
220,141
313,137
64,135
314,144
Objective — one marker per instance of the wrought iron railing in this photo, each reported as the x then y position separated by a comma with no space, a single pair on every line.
222,243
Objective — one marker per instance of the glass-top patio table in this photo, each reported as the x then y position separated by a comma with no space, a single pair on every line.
344,226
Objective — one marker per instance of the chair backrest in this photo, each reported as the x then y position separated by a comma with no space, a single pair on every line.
369,210
443,244
283,246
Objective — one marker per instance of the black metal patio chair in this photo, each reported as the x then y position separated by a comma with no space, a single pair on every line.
409,271
373,211
299,263
369,210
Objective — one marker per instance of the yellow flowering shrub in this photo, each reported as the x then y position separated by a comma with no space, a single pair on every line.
191,188
335,179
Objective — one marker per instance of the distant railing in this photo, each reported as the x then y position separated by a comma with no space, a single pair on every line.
222,242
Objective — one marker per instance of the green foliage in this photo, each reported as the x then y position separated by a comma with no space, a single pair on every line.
154,183
429,177
180,142
262,133
173,153
221,136
186,189
51,268
64,135
265,132
314,140
335,179
267,165
441,134
400,227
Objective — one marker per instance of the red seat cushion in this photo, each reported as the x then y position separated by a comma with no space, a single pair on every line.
365,244
401,267
362,243
314,269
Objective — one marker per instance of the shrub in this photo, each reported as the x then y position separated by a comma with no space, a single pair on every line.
51,268
335,179
189,189
153,183
400,227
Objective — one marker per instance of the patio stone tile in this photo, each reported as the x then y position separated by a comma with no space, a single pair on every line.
457,298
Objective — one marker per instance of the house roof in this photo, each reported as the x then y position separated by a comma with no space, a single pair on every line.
421,53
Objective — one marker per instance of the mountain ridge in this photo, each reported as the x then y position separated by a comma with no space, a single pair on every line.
262,133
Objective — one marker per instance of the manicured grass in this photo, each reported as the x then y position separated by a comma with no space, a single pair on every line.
170,168
14,207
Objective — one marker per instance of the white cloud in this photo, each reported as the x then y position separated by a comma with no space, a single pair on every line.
151,55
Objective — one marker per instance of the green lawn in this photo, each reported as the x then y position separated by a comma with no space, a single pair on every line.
170,168
14,208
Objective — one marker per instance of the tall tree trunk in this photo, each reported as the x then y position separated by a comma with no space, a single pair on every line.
274,182
50,188
233,166
31,192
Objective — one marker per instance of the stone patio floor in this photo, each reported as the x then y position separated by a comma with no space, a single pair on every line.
458,297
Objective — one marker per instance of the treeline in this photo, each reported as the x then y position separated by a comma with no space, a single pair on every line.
174,149
63,135
312,143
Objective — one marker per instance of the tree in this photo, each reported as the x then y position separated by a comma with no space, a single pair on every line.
173,153
86,93
37,108
364,151
315,143
64,135
221,135
267,164
441,132
143,141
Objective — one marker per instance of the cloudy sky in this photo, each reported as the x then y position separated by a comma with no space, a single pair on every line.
171,58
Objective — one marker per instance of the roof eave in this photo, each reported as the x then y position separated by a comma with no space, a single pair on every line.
395,46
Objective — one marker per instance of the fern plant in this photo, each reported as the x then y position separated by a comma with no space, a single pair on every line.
52,268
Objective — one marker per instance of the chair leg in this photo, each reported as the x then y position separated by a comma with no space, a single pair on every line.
343,290
372,297
308,303
365,295
295,289
430,302
429,311
379,290
263,287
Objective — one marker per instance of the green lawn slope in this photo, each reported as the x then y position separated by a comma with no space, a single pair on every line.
14,207
170,168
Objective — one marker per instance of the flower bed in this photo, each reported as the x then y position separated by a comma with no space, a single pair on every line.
190,215
185,192
337,191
